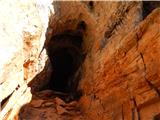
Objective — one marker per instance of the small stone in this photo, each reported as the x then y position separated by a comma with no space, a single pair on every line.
73,103
48,104
59,101
36,103
61,110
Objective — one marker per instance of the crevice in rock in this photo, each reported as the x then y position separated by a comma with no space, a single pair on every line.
5,101
157,117
81,25
122,112
111,28
133,118
91,5
149,6
148,82
66,56
136,108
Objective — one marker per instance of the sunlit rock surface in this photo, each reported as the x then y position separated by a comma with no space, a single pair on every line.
120,73
22,35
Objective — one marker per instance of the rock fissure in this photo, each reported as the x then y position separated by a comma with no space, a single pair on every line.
136,108
148,82
122,112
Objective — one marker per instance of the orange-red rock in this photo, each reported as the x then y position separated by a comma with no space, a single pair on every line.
120,74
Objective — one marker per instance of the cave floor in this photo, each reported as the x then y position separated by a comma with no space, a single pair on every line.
45,105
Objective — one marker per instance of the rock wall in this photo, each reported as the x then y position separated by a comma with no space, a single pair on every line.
120,74
23,25
126,81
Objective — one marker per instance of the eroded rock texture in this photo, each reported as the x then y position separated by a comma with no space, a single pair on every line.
22,35
118,76
130,73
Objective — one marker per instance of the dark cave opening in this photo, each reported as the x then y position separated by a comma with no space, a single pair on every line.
62,68
66,57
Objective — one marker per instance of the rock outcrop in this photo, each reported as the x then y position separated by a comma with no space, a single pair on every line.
118,78
125,83
23,25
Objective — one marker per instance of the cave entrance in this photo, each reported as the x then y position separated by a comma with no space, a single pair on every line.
63,67
66,56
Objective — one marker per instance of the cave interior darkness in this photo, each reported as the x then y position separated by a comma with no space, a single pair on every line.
66,57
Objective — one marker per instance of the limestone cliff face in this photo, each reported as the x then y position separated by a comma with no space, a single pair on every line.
119,75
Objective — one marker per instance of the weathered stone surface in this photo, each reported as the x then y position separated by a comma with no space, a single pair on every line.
126,71
22,34
50,109
120,74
